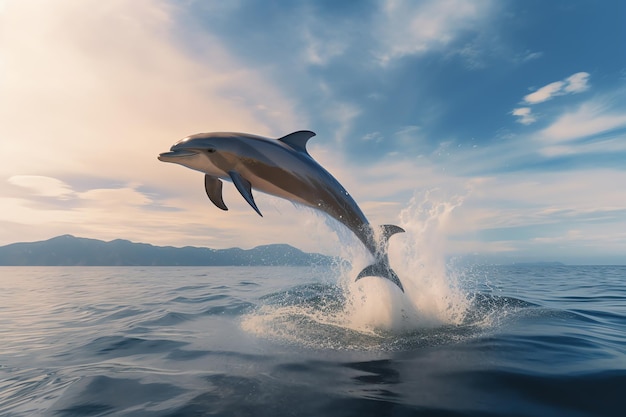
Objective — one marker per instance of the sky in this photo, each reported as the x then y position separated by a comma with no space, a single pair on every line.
501,122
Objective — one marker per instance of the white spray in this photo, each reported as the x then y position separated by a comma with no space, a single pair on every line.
375,307
432,297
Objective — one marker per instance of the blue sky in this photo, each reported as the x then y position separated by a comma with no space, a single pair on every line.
499,126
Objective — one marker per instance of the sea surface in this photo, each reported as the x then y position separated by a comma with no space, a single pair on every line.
308,341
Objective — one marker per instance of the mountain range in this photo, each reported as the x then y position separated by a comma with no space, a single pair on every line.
69,250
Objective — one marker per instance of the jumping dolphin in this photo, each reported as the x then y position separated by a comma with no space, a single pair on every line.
282,168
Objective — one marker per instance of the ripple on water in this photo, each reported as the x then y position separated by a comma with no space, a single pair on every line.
119,346
100,395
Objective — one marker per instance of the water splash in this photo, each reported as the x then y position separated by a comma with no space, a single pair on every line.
432,295
373,312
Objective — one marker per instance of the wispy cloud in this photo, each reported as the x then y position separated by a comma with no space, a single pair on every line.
409,28
589,119
373,137
342,115
576,83
524,115
93,103
119,87
530,56
43,186
188,219
321,46
512,203
97,101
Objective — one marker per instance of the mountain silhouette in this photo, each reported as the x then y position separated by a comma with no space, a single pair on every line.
68,250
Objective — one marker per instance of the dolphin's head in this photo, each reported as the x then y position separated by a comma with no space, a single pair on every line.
202,152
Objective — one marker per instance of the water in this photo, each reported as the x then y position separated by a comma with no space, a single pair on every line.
280,341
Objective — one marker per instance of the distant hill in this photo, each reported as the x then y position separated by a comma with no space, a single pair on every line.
68,250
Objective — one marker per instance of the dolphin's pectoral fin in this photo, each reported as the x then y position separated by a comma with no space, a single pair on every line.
297,140
381,269
245,188
213,188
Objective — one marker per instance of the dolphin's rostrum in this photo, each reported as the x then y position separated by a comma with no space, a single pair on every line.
282,168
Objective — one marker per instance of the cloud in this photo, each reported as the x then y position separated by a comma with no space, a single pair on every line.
93,92
410,28
104,97
375,137
114,197
322,44
536,205
589,119
531,56
43,186
615,145
545,93
541,208
342,115
524,115
576,83
128,212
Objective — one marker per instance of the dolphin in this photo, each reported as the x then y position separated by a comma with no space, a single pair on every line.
282,168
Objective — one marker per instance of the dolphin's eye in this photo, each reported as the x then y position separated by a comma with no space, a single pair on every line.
210,150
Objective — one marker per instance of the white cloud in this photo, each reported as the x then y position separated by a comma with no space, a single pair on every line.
96,90
342,115
545,207
564,201
43,186
105,95
321,47
531,56
25,213
114,197
373,137
545,93
524,115
409,28
576,83
128,213
604,146
117,87
589,119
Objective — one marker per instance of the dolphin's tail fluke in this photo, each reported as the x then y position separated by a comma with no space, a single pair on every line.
381,267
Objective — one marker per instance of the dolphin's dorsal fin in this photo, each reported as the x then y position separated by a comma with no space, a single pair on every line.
245,188
213,188
297,140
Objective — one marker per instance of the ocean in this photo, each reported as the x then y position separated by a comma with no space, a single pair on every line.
516,340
